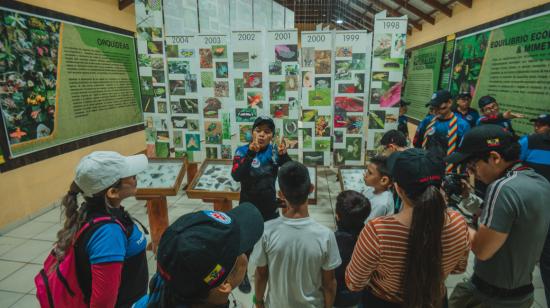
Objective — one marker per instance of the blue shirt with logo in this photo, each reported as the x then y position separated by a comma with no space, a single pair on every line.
471,116
110,244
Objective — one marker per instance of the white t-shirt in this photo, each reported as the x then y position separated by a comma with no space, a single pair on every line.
381,205
295,252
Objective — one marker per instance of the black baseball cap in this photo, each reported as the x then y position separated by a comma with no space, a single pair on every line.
481,139
198,251
485,100
403,103
415,169
543,119
264,120
464,95
440,97
394,137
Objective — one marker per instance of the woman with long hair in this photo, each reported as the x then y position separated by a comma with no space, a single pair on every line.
111,262
404,259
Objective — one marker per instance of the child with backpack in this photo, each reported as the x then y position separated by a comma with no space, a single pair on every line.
99,258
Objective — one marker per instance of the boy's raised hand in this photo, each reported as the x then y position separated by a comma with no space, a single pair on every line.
254,146
282,147
512,115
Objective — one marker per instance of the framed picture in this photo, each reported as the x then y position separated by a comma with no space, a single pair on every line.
162,177
351,178
214,180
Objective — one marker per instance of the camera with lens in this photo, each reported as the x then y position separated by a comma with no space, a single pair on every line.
452,186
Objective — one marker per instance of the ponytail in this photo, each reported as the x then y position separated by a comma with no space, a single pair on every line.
73,221
423,278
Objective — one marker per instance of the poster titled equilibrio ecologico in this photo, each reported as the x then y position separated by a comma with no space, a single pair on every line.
61,82
510,63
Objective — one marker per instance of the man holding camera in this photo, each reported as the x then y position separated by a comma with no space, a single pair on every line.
513,224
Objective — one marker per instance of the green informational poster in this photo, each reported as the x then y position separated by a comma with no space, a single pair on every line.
422,78
447,63
510,63
61,82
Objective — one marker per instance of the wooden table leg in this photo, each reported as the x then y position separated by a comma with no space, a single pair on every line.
191,172
157,210
222,205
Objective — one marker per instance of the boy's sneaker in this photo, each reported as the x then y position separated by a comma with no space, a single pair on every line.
245,285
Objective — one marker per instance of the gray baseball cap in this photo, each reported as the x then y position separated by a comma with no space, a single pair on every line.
101,169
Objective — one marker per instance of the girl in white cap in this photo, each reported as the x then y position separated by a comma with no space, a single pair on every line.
110,255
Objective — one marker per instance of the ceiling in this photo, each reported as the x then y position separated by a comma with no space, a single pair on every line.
359,14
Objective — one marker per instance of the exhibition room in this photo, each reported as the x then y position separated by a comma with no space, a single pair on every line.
275,153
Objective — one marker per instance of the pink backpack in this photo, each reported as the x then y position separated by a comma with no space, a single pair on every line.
57,283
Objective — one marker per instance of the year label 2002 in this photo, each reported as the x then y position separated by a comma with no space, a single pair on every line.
246,36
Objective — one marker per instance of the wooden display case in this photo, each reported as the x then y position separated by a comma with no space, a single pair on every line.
163,176
213,183
352,178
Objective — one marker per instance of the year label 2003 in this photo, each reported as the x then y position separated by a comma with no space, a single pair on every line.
315,38
212,40
246,36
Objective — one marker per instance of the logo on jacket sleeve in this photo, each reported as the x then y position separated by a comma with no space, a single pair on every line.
218,216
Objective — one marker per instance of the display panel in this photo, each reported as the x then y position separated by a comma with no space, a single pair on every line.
61,81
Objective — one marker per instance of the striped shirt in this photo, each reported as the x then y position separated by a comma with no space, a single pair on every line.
379,258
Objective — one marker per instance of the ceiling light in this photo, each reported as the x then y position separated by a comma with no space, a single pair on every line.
339,21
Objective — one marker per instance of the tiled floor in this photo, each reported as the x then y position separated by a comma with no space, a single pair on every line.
24,248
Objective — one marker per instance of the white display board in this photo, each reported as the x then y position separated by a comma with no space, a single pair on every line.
289,19
262,14
154,97
180,17
317,82
278,21
216,94
214,16
249,81
284,86
186,107
351,53
387,75
241,14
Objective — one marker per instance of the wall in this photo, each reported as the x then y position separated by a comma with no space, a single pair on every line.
482,11
102,11
27,190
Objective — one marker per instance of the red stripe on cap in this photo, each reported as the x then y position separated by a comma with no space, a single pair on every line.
163,273
429,178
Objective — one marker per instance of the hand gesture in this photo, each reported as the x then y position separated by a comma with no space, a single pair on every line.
254,145
282,147
509,115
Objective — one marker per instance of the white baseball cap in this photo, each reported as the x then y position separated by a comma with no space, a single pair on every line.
101,169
